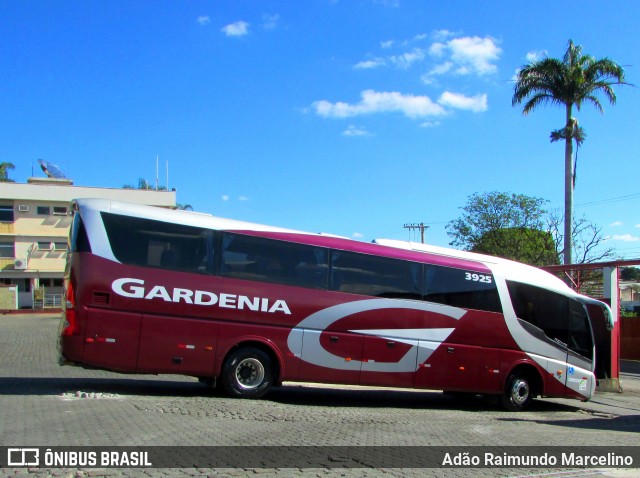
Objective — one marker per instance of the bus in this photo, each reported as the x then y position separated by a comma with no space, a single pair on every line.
247,306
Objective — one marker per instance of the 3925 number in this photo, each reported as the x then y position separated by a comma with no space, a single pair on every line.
472,276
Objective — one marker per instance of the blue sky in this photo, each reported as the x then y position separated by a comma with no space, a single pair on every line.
348,116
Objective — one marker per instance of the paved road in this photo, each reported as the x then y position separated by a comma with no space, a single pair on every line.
43,404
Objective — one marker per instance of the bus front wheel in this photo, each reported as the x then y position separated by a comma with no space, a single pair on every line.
247,373
517,393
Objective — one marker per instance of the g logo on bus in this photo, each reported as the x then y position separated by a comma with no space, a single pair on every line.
425,340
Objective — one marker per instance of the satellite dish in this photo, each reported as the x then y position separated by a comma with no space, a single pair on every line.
51,170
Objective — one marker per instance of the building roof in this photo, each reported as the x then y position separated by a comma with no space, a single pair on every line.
51,190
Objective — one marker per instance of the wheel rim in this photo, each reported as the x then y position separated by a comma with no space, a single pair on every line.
520,391
249,373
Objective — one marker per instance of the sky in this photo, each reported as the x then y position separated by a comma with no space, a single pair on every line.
351,117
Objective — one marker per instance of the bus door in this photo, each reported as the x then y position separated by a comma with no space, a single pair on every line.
580,350
111,339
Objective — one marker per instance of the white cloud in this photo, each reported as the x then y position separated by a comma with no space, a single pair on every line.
437,70
353,130
203,20
243,198
442,35
225,197
430,124
475,53
236,29
270,21
469,55
381,102
536,55
387,44
370,64
637,225
477,103
625,238
357,235
405,60
616,224
437,49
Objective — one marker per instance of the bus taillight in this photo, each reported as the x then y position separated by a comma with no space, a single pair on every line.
71,319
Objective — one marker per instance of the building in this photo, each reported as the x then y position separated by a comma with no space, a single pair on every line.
34,225
630,296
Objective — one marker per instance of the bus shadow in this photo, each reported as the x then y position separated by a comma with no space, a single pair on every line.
389,398
108,386
624,423
293,395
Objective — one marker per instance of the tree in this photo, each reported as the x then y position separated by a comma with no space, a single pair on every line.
630,273
586,239
4,174
515,226
531,246
146,185
506,225
572,81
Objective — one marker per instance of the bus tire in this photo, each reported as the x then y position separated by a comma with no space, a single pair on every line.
518,392
247,373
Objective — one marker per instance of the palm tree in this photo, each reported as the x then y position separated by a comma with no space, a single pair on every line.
572,81
4,175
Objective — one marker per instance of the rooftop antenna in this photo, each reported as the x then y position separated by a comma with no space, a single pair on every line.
51,170
157,158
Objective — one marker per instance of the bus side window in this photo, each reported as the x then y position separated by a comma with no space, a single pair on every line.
580,339
364,274
457,287
269,260
563,320
79,241
149,243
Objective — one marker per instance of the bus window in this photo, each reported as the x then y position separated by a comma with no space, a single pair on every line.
78,240
460,288
375,276
546,310
148,243
580,340
268,260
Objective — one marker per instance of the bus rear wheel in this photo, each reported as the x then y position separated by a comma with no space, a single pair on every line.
247,373
517,393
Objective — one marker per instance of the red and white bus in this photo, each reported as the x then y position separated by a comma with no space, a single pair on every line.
151,290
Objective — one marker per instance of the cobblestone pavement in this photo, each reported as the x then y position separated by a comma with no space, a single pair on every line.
43,404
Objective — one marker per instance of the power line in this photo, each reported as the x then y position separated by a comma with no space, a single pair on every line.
609,200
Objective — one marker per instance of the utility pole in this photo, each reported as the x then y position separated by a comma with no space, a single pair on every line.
420,226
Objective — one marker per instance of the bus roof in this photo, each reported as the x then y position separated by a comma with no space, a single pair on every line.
403,249
512,270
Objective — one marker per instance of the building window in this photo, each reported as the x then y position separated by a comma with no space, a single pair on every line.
44,246
59,210
6,213
59,246
43,210
7,250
